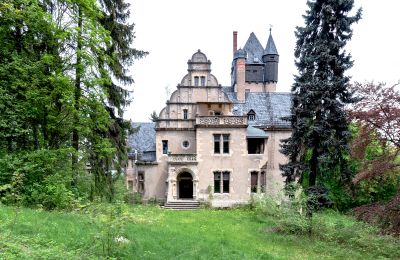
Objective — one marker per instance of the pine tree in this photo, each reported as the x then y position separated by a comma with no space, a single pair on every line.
113,67
318,147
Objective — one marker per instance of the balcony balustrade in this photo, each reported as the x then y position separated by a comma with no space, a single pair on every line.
221,121
182,158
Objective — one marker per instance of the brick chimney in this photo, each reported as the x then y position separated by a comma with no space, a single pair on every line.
234,41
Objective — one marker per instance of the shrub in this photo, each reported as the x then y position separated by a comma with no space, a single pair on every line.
288,217
52,193
38,178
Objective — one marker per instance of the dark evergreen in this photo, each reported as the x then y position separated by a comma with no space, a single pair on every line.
114,68
318,147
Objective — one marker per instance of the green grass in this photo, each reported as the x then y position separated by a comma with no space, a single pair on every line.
154,233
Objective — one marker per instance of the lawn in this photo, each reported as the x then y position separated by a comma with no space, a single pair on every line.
149,232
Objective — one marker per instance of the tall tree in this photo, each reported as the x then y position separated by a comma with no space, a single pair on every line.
61,63
114,69
378,116
319,143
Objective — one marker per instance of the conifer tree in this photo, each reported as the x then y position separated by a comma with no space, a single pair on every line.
318,147
113,68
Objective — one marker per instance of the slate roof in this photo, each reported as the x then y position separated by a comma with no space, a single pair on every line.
269,107
144,139
254,49
270,48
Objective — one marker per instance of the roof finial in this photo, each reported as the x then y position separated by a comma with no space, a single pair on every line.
270,28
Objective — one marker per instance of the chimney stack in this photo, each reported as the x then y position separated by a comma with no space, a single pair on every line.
234,42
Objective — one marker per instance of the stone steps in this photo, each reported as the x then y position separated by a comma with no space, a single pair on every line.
182,205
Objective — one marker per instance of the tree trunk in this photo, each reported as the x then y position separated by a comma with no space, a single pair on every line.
312,179
78,74
313,166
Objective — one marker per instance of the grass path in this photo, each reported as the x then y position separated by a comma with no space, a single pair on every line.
157,234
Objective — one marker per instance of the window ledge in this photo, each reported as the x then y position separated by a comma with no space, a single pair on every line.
222,154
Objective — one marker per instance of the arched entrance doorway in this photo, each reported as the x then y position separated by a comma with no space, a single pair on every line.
185,185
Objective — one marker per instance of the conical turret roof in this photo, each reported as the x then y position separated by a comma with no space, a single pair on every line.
253,49
270,49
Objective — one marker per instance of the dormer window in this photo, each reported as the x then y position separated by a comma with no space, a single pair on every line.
203,80
251,115
196,81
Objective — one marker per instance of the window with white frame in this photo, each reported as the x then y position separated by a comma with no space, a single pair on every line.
251,115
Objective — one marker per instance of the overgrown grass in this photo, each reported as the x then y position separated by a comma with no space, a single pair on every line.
148,232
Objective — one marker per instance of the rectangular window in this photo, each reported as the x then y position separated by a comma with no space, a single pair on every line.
141,182
196,81
185,114
253,181
221,182
225,183
226,143
217,143
255,145
221,141
165,146
217,182
203,81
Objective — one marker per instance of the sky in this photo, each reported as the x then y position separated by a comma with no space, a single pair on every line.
172,30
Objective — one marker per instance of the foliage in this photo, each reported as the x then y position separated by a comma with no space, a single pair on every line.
155,233
109,220
154,116
377,147
375,153
318,147
326,226
59,61
43,178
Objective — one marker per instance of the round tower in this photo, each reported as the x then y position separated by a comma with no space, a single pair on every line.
271,60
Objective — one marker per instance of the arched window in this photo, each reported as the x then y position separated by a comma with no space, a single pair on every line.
196,80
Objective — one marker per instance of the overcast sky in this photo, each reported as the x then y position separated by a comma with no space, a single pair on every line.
172,30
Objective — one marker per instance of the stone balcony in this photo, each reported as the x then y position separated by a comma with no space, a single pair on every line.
182,158
221,121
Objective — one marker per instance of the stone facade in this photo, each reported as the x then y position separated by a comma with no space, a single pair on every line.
212,143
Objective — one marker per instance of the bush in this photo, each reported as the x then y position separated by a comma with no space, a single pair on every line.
52,193
289,217
38,178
